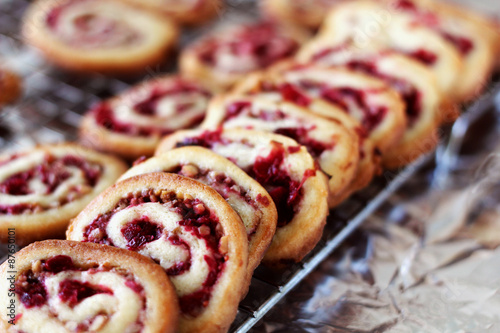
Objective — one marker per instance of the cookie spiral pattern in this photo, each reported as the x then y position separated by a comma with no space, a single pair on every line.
225,56
188,229
351,25
42,189
335,147
69,286
286,170
132,123
104,36
246,196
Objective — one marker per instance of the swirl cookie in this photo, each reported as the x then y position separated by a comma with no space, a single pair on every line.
375,26
103,36
227,55
333,146
132,123
189,12
246,196
285,170
42,189
188,229
471,34
306,13
426,107
64,286
277,86
10,86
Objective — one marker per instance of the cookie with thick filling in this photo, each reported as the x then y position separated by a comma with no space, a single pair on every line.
66,286
286,170
335,147
188,229
357,103
103,36
43,188
426,106
10,86
473,35
245,195
188,12
132,123
375,26
226,55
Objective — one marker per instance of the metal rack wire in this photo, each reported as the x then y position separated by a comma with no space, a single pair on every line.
54,102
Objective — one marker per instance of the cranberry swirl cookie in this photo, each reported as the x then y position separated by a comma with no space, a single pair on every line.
65,286
190,12
104,36
426,107
471,34
275,86
245,195
285,170
306,13
42,189
335,147
373,25
10,86
132,123
231,52
188,229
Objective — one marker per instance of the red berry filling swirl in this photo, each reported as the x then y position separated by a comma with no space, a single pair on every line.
154,110
61,290
301,134
268,170
48,182
410,94
227,188
181,234
89,24
246,48
463,44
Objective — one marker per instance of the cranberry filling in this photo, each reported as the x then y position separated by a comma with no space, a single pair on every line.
105,116
373,116
233,110
294,95
462,44
73,291
140,232
31,290
58,264
52,172
197,220
286,192
180,267
410,94
262,41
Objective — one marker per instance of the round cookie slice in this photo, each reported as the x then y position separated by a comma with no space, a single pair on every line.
98,35
188,229
286,170
226,55
132,123
43,188
245,195
65,286
335,147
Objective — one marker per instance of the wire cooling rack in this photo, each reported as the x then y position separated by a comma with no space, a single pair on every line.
53,105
